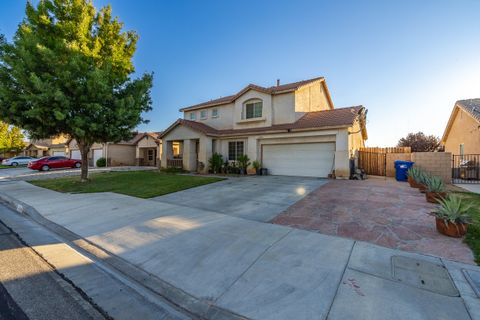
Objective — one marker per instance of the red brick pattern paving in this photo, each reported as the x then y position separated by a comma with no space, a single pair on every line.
380,211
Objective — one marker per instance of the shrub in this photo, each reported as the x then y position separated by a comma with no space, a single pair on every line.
101,162
243,162
256,165
215,163
172,170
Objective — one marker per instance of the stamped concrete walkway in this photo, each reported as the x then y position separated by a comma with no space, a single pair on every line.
253,269
377,210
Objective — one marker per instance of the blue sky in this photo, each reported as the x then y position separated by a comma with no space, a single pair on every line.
406,61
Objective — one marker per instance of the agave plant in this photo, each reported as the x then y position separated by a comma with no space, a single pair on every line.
453,209
435,184
423,178
414,173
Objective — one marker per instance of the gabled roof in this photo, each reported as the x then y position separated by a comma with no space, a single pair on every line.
45,146
139,136
470,106
284,88
341,117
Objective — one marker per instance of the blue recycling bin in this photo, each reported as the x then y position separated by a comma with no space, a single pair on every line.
401,168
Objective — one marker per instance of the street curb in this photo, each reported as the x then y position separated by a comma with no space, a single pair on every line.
181,299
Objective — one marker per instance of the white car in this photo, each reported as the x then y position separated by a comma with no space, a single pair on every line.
17,161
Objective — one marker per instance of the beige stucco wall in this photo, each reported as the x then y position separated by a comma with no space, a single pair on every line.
311,97
465,129
355,139
284,108
121,155
223,121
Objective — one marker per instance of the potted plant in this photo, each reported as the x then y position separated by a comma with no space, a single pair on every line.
435,189
452,216
258,167
413,175
422,181
243,163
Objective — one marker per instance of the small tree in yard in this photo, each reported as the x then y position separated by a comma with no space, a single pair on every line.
68,71
11,138
419,142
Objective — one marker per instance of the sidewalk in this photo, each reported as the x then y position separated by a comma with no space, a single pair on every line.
218,266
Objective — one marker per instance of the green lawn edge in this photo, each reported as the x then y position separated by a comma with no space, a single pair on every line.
140,184
472,238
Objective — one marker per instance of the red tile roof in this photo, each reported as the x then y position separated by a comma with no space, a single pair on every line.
269,90
341,117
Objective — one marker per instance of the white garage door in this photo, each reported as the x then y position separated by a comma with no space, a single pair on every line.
76,155
97,154
302,159
59,153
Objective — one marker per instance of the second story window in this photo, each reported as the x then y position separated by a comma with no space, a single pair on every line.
253,109
192,116
214,113
203,114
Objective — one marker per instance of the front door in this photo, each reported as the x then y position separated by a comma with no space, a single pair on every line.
150,157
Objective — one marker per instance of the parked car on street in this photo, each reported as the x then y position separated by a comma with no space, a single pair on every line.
56,162
17,161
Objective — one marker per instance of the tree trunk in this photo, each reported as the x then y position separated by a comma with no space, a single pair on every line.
84,149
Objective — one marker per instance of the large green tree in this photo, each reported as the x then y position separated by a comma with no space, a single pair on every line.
68,70
11,138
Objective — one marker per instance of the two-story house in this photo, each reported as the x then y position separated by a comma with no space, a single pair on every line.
292,129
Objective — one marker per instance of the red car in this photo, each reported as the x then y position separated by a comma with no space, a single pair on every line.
56,162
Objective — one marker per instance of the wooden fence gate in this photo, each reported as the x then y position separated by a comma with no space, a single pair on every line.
374,163
374,159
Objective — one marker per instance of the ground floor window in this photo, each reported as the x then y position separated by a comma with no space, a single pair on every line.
176,149
235,150
150,154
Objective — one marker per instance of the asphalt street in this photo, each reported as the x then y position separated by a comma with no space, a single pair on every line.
31,289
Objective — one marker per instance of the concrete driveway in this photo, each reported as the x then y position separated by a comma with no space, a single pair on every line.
201,260
257,198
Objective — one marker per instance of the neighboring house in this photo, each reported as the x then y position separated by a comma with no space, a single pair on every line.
56,146
148,149
292,129
462,134
142,149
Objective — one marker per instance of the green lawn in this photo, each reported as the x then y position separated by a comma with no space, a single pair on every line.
141,184
5,167
473,234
